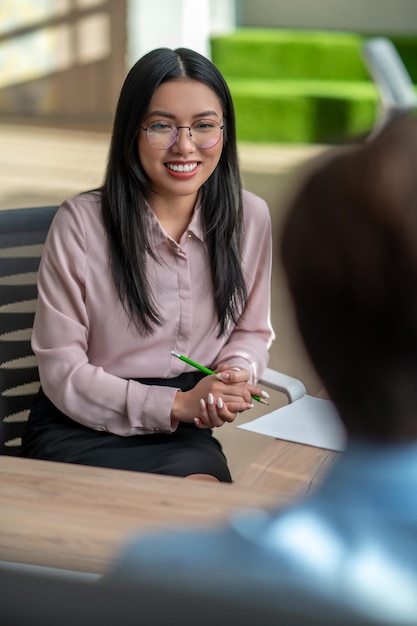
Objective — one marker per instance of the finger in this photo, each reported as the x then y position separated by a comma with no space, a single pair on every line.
208,417
223,411
233,376
226,366
238,395
199,423
258,391
213,411
234,407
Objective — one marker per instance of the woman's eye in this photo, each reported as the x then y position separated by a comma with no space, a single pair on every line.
204,125
160,127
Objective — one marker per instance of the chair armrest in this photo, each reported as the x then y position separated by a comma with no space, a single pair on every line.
292,387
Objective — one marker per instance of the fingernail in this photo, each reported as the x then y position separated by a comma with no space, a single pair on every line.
223,376
264,394
196,421
236,369
219,403
202,404
210,399
249,405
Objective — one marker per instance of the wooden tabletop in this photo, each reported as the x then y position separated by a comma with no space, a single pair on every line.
288,469
77,517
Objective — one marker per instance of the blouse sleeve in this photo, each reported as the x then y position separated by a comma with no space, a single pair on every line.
85,391
249,342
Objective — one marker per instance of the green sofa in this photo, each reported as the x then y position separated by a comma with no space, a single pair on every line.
301,86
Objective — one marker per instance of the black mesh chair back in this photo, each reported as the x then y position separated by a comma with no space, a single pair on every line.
22,235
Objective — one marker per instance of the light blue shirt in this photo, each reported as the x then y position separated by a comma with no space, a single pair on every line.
353,541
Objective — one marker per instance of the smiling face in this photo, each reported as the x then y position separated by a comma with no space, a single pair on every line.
182,169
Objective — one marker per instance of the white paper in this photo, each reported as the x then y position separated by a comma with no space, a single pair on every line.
309,420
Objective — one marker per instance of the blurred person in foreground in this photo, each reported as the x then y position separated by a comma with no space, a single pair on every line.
349,250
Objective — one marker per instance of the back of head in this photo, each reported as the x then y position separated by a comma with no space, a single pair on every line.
349,249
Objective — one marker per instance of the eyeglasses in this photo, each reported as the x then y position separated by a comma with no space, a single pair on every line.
204,134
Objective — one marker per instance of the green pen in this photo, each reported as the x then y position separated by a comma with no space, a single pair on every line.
206,370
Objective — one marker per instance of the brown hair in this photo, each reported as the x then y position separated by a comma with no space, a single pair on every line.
349,250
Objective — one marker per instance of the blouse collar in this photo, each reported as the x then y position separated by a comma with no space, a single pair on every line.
159,235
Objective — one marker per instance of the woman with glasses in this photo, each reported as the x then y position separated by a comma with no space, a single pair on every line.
169,256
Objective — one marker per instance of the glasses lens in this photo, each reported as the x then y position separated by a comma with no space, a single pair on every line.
205,133
161,135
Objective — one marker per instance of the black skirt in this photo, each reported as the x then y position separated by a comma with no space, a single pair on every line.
52,435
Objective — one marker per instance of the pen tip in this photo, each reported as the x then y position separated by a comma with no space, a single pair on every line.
263,401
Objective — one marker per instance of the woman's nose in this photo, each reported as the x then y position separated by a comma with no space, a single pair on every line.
184,140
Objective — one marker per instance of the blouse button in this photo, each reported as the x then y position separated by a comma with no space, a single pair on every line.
189,235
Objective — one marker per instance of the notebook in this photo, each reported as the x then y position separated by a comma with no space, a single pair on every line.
311,421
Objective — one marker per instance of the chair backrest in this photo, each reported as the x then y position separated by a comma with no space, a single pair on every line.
394,84
22,235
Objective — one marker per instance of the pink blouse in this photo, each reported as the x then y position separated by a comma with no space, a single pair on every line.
88,350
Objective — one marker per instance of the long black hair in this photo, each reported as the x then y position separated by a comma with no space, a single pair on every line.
126,188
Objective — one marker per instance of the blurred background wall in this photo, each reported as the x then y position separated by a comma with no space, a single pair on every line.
361,16
63,61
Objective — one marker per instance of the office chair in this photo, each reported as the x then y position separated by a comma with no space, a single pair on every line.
394,84
22,235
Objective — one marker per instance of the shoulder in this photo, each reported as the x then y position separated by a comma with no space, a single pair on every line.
251,201
85,210
78,220
256,212
88,204
254,206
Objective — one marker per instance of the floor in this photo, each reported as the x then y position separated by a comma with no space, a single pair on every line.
42,165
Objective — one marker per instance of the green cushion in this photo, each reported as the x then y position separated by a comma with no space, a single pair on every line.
302,111
301,86
277,54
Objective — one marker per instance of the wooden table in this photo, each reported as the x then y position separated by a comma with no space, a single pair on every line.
76,517
288,469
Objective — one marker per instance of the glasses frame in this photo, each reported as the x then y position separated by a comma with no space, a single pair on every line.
177,129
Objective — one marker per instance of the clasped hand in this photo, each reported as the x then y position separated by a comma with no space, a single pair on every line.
216,399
